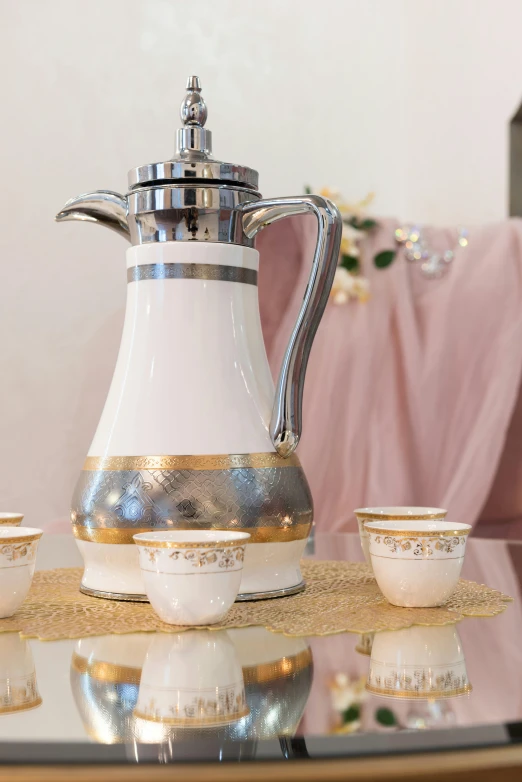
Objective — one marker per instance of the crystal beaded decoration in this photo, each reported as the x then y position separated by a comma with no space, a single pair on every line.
433,264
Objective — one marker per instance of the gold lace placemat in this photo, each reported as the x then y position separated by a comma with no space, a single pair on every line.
339,597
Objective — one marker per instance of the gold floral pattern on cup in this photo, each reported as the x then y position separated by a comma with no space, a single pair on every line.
222,557
426,545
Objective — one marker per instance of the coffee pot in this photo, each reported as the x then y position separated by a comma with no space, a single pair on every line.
193,434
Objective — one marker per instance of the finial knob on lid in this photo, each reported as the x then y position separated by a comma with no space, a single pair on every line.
193,159
193,108
193,140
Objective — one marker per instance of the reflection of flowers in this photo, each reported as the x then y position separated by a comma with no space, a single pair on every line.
346,691
348,697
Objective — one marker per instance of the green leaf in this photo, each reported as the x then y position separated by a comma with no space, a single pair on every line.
386,717
361,225
384,258
352,714
308,190
350,263
367,225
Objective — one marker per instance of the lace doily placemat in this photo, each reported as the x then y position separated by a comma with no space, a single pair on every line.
339,597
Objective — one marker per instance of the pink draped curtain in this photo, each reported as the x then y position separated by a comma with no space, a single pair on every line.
409,397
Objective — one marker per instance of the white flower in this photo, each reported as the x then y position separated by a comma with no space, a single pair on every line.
349,241
349,286
361,288
347,210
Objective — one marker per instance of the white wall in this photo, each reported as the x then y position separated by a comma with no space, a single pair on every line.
409,98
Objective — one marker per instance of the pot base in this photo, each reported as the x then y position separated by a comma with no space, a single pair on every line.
240,598
269,570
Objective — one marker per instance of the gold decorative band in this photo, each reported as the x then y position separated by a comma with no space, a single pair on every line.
21,538
106,672
363,516
191,271
210,462
257,534
252,674
21,706
11,521
418,533
195,722
238,543
269,672
415,694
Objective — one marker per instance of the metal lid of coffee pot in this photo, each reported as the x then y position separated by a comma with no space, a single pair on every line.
193,162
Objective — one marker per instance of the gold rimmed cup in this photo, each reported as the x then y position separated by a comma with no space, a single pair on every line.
191,577
11,519
393,513
18,547
417,564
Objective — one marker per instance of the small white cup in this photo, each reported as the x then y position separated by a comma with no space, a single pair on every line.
417,564
191,577
18,547
11,519
418,663
393,513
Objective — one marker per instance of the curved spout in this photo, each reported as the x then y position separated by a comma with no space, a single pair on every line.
101,206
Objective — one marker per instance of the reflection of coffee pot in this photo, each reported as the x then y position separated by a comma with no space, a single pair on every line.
105,679
226,689
193,434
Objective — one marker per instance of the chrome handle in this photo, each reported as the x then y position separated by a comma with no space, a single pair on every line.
286,421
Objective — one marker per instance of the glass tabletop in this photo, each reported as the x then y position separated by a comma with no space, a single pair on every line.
262,695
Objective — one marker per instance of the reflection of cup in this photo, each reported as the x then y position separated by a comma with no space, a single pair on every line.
18,688
277,672
364,645
418,662
105,678
192,680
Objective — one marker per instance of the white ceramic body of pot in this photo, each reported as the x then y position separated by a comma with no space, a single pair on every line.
183,441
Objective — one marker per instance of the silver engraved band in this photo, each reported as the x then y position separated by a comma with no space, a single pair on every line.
191,271
271,503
